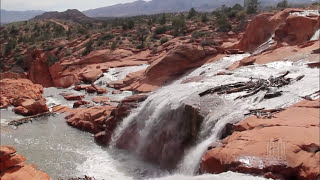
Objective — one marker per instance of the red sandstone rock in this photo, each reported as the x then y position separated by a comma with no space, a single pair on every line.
80,103
90,119
24,95
101,99
254,36
116,116
61,109
296,30
12,75
13,167
166,68
91,89
285,146
72,97
91,75
39,69
292,53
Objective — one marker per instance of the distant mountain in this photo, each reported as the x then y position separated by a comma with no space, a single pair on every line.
141,7
15,16
70,14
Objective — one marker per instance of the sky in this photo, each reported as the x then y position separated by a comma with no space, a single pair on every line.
57,5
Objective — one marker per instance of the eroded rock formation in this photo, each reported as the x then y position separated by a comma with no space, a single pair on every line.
284,147
14,167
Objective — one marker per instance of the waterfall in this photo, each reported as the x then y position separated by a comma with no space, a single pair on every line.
162,128
315,36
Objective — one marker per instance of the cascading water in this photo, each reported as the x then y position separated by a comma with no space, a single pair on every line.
159,123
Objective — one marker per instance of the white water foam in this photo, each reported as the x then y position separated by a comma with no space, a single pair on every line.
152,113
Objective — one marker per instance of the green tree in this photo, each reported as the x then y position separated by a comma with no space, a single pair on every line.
130,24
251,6
283,4
12,43
237,7
223,24
142,34
163,19
179,25
204,18
88,48
192,13
52,59
114,45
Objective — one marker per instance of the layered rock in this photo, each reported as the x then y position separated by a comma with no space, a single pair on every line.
90,119
91,89
254,35
296,30
169,66
13,166
121,111
39,69
284,147
293,53
24,95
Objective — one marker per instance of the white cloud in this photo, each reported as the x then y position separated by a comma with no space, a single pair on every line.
57,5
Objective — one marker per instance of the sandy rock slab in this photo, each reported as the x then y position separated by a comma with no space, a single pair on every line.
13,166
284,147
25,96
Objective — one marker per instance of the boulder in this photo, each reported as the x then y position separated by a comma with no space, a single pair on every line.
72,97
89,119
101,99
80,103
13,166
296,30
24,95
91,89
91,75
39,69
166,68
286,146
121,111
254,36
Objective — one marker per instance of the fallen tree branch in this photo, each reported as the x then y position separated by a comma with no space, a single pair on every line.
27,119
264,113
254,86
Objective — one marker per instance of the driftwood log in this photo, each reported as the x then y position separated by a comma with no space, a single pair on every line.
254,86
264,113
28,119
80,178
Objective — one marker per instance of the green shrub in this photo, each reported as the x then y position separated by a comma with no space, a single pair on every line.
283,4
208,43
204,18
160,30
107,37
114,45
251,6
164,40
163,19
88,48
192,13
52,59
223,24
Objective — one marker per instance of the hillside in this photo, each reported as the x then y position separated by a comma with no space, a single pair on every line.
141,7
71,15
15,16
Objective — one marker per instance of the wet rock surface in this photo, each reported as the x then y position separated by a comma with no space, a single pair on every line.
14,167
285,146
